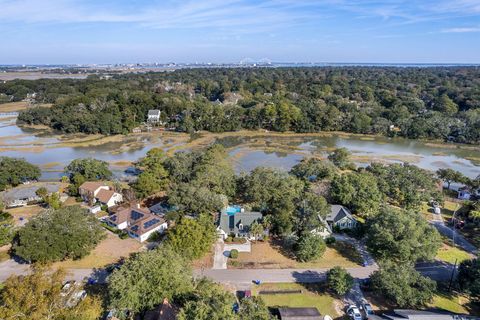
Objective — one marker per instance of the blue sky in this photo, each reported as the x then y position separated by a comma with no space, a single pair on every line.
121,31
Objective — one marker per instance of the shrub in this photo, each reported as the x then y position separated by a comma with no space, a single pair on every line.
309,247
234,253
330,240
339,280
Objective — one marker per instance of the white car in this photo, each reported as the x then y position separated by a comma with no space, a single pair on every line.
367,309
354,313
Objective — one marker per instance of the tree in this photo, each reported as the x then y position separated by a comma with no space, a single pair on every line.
273,192
313,169
309,247
154,177
401,236
404,184
449,175
308,211
357,191
469,277
254,308
6,227
339,280
147,278
256,230
192,238
403,285
90,169
39,296
195,200
42,192
14,171
53,200
341,158
55,235
208,301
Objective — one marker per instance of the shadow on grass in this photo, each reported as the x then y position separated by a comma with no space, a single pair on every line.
348,251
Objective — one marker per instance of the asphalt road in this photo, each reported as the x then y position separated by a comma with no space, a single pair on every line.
459,239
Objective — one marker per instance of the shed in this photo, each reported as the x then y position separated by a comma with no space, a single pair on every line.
299,314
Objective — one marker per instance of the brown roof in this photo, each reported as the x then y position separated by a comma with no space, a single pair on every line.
91,185
131,214
146,224
105,195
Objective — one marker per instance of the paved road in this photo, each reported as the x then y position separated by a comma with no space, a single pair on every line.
459,239
245,276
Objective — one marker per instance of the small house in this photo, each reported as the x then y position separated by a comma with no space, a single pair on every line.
153,116
341,218
235,220
467,193
98,192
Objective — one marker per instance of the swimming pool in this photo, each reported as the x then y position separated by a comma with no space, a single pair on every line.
231,210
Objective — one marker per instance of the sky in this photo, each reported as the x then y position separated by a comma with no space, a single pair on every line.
222,31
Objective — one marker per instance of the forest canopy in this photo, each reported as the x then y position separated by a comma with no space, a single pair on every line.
436,103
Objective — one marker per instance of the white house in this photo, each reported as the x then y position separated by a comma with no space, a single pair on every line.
467,193
93,192
138,222
341,218
153,116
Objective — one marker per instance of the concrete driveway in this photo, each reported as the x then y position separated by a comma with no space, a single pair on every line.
222,252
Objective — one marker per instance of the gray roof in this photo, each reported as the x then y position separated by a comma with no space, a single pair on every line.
153,112
402,314
28,191
230,223
337,213
299,314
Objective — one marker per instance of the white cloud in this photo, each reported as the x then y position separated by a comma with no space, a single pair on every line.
461,30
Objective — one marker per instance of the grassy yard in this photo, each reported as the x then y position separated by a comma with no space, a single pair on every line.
24,212
270,255
451,303
4,253
449,254
108,251
311,296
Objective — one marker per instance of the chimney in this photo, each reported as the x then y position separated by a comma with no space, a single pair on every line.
138,205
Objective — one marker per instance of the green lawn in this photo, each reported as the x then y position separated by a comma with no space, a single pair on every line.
449,254
451,303
311,296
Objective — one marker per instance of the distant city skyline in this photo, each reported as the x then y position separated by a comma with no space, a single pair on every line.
355,31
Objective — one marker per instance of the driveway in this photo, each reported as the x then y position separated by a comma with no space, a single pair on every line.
455,236
222,252
361,248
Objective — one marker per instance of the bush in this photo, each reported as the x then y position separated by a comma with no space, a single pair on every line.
339,280
234,253
330,240
123,235
309,247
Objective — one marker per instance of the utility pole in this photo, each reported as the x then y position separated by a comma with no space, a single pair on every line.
453,274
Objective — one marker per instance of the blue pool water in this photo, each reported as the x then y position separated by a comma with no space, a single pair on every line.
231,210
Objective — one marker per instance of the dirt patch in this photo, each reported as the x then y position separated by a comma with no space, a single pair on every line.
23,214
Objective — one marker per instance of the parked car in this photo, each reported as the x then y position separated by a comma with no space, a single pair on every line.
367,309
354,313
